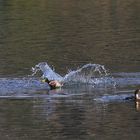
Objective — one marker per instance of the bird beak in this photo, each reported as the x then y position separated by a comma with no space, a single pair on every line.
43,81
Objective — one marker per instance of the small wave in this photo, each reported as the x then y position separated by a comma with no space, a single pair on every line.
123,79
127,75
20,85
115,98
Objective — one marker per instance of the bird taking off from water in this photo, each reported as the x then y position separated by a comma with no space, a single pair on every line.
54,84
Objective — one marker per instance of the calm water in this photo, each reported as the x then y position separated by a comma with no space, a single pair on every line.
68,34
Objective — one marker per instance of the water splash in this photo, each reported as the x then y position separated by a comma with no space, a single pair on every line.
93,74
86,74
47,71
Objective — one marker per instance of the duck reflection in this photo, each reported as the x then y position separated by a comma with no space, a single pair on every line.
137,105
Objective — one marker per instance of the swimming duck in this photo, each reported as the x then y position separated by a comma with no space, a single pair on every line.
137,95
53,83
137,99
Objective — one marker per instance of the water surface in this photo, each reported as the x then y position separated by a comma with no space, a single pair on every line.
69,35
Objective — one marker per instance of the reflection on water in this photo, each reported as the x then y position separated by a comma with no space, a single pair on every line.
138,106
68,34
67,118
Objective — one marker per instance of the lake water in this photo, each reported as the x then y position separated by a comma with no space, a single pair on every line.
94,45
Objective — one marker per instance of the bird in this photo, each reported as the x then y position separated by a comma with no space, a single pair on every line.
137,95
54,84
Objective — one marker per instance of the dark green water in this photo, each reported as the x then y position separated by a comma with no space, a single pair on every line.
68,34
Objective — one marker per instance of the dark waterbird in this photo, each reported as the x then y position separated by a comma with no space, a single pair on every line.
137,95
